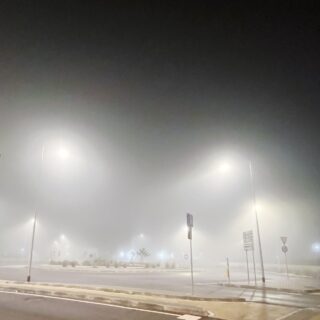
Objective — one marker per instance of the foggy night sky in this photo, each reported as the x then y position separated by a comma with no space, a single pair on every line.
149,98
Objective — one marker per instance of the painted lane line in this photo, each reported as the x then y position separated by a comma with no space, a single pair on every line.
87,302
288,314
189,317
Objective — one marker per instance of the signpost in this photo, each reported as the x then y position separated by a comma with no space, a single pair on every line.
190,226
228,270
284,249
248,245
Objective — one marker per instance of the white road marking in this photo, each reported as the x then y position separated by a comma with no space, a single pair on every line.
188,317
88,302
289,314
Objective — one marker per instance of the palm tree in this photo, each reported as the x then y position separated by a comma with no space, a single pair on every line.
143,253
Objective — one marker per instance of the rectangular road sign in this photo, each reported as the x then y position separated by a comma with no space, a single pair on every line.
189,220
248,240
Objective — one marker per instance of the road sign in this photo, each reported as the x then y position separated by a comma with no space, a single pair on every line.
284,240
284,249
189,220
248,245
248,240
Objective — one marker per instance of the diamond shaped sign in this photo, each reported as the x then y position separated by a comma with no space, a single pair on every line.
284,240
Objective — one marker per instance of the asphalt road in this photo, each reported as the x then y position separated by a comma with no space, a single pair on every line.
168,281
15,306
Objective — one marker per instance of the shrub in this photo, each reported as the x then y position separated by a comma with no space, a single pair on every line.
86,263
74,263
65,263
99,262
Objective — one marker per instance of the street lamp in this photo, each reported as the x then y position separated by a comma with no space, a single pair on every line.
225,168
32,243
316,247
257,220
63,153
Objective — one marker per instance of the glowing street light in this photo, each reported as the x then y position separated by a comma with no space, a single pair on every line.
63,153
316,247
257,220
225,168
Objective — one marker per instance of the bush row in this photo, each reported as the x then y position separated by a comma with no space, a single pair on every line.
107,264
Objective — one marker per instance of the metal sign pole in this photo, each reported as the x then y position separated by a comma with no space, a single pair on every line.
285,250
191,265
247,266
228,270
248,246
285,254
190,226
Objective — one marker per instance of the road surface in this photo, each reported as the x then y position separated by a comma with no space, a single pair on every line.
168,281
15,306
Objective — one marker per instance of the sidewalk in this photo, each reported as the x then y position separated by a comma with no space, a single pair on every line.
231,310
293,283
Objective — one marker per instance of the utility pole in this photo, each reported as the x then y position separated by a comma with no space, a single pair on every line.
35,221
254,267
257,221
32,244
228,270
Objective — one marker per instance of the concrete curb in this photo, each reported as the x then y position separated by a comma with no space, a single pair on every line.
287,290
133,292
169,307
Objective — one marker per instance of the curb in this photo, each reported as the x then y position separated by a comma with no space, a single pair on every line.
162,307
246,286
132,292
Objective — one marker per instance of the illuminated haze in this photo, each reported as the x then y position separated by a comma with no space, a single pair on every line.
149,102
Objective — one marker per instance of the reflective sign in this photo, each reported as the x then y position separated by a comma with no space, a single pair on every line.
284,240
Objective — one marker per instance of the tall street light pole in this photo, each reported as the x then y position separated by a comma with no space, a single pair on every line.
34,224
32,244
63,154
257,221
